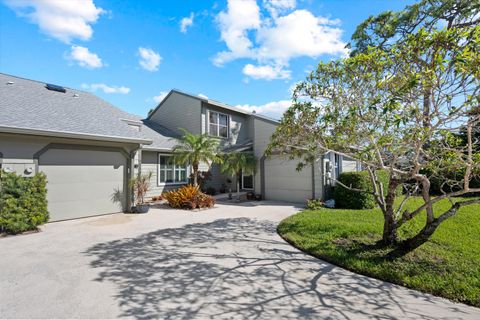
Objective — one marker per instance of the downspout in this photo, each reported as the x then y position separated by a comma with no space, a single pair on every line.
130,172
322,175
262,176
313,180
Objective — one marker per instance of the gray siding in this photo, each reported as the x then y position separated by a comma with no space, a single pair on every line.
263,130
179,111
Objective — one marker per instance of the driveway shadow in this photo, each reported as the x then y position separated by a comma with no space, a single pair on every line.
238,269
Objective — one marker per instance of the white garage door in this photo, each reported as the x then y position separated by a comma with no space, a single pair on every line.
83,183
283,182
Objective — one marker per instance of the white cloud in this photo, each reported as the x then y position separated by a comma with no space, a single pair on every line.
84,58
149,59
266,72
300,34
273,40
186,22
275,7
160,97
273,109
234,23
201,95
105,88
63,20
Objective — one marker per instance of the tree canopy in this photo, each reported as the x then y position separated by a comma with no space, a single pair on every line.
398,103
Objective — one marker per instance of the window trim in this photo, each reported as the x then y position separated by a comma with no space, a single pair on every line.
218,124
159,183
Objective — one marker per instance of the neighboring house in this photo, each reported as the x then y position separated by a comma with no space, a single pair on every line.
89,149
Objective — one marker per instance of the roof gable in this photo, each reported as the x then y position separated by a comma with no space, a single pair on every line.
211,102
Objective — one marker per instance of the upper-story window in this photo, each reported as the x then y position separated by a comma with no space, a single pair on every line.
218,124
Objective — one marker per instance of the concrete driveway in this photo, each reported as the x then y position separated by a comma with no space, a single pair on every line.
227,262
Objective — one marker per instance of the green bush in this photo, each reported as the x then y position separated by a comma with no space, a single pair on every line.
348,199
23,202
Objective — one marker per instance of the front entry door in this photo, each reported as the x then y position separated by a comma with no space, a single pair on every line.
247,182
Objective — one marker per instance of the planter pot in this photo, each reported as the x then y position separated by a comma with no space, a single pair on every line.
250,196
258,197
142,208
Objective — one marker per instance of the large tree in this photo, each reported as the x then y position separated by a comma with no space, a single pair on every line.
398,106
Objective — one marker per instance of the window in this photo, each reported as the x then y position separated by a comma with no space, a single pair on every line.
169,172
218,124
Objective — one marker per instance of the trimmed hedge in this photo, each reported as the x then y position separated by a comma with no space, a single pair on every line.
348,199
23,202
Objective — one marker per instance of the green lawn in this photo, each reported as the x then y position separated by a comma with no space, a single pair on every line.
448,265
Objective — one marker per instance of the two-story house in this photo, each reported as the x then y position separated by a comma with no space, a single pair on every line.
89,149
275,178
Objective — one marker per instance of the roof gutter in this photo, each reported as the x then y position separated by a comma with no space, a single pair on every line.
73,135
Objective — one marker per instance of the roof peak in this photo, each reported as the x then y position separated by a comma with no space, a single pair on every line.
212,102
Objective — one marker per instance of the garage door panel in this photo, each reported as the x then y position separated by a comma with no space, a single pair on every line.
63,210
83,183
288,183
76,174
298,196
85,191
283,182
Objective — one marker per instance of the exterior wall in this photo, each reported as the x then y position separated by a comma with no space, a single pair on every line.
263,130
179,111
239,124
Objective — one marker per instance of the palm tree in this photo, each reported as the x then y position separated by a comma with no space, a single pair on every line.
193,149
234,163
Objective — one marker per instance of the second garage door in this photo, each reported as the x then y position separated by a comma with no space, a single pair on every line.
284,183
83,183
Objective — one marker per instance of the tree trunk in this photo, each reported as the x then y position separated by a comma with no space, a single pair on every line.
195,174
238,187
390,226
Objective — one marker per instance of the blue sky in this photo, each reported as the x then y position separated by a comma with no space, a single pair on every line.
244,53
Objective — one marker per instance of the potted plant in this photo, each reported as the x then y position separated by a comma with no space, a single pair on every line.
139,186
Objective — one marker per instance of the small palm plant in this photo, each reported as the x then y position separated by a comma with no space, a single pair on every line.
140,186
193,149
234,163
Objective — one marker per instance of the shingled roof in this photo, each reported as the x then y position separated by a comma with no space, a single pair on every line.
27,106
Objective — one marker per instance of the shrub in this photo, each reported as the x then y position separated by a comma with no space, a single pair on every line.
188,197
23,202
314,204
348,199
